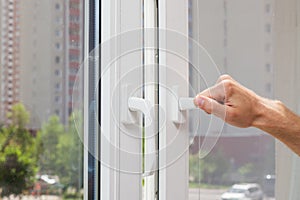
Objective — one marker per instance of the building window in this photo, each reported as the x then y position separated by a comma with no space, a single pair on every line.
57,99
268,67
57,112
57,59
58,20
268,28
268,8
268,87
58,33
74,19
58,46
57,72
57,6
57,86
74,58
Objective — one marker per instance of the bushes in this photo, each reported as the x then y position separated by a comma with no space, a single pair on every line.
214,169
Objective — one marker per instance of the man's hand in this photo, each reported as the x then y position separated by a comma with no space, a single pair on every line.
241,107
230,101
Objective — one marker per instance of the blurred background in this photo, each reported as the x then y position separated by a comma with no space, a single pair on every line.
238,35
40,98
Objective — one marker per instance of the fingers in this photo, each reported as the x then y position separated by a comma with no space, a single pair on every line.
211,106
220,90
216,92
224,77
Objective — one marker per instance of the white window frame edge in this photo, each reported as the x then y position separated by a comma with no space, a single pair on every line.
174,179
114,184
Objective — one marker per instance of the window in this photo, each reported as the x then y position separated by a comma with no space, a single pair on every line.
74,58
57,112
58,20
57,59
127,121
34,82
58,33
268,87
268,67
57,6
57,99
57,72
58,46
268,28
268,8
57,86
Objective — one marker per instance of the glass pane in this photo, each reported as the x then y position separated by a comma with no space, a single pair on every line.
41,90
239,39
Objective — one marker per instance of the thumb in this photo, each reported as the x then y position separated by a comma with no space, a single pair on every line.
210,106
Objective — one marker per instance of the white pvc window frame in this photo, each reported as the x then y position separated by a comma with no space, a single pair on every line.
173,176
119,17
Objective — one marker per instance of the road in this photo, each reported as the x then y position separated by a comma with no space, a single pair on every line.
205,194
209,194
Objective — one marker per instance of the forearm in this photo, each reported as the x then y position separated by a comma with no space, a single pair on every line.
276,119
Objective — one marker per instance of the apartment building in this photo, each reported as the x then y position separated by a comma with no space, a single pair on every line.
75,55
10,56
41,54
43,57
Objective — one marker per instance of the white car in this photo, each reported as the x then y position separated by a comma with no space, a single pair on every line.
245,191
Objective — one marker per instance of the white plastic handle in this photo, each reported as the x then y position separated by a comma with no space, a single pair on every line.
142,105
186,103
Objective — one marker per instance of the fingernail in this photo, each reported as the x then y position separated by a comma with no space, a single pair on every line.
200,101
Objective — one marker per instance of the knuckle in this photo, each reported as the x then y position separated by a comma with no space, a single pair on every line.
225,77
228,86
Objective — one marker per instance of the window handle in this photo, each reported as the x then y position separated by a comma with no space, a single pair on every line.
130,106
186,103
179,106
136,104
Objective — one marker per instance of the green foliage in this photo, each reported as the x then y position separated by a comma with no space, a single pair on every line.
50,133
54,149
194,165
246,169
19,116
213,169
62,150
18,153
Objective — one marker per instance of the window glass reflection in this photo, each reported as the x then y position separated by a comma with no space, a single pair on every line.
238,36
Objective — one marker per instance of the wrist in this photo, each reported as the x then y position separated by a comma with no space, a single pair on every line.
275,118
269,114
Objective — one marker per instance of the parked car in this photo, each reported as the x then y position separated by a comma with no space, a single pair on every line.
244,191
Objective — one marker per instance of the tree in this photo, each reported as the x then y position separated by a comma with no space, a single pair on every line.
18,153
194,168
50,133
246,171
62,150
70,144
215,168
